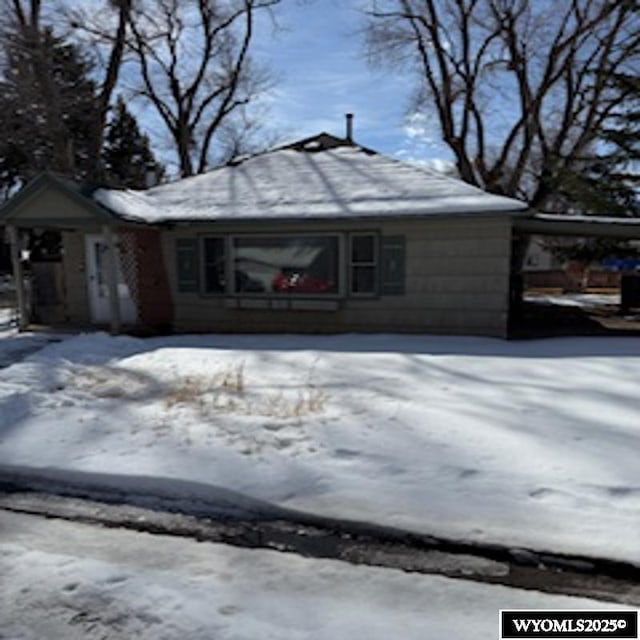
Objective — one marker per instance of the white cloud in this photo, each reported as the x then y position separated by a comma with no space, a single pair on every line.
416,125
420,143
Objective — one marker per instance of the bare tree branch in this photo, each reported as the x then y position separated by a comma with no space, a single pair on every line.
193,58
554,62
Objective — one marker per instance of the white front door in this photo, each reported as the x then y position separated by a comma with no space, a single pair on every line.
97,280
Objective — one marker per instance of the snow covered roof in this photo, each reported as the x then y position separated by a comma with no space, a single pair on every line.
307,180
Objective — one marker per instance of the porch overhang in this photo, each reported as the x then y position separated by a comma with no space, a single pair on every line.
53,202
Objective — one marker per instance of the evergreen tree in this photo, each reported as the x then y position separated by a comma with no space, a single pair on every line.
47,106
622,172
608,182
127,156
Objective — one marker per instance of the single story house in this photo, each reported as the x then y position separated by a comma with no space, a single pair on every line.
321,235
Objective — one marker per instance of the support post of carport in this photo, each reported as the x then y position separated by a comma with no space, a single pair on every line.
18,276
112,280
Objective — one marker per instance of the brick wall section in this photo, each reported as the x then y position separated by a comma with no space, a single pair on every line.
155,306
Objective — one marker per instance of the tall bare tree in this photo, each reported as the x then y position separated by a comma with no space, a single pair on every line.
522,88
109,44
196,71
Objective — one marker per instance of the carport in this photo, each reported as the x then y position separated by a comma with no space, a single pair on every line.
526,320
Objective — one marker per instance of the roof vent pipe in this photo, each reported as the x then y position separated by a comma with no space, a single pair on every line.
349,117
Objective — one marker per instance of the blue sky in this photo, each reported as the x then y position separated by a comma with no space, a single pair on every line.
317,54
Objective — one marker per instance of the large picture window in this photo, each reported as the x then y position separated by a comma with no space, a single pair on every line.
293,265
288,264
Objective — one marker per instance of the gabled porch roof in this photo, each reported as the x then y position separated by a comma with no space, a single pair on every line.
51,200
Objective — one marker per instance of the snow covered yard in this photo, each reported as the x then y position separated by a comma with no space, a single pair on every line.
531,444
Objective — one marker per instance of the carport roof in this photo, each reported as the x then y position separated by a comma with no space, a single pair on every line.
578,225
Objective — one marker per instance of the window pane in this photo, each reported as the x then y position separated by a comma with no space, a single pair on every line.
214,280
362,248
286,264
363,279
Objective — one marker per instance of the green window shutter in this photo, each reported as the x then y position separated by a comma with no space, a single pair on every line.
187,265
392,265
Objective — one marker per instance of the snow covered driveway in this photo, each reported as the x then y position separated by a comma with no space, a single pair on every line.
15,346
531,444
65,581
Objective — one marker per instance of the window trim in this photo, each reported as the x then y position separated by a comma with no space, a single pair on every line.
375,264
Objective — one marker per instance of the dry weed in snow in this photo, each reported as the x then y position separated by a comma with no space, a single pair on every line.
309,400
227,391
233,379
190,391
109,382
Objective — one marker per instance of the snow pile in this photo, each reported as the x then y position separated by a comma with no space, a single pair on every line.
8,318
530,444
584,300
285,184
